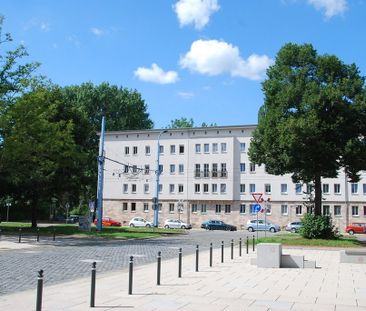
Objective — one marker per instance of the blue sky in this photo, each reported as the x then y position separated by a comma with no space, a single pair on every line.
200,59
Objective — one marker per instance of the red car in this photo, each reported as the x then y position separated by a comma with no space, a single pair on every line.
356,227
108,222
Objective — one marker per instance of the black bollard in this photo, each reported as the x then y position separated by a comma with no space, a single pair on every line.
253,243
0,234
180,263
159,269
197,257
39,290
130,276
240,247
37,235
222,251
54,234
247,245
232,249
92,289
20,235
210,254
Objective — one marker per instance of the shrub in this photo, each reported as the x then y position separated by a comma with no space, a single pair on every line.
317,227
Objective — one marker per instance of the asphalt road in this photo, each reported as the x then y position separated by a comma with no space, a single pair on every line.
69,258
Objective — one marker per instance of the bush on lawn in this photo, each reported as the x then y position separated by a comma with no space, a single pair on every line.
317,227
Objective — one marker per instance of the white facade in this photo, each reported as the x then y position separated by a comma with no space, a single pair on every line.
208,169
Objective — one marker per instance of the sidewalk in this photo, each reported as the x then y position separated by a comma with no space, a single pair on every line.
232,285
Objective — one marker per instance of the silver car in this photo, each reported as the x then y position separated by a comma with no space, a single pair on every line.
294,226
176,224
260,225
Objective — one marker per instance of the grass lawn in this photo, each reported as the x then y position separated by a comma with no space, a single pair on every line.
73,230
297,240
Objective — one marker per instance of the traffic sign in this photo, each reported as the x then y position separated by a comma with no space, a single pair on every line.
257,197
257,207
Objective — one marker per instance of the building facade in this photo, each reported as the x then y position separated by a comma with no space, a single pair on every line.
207,172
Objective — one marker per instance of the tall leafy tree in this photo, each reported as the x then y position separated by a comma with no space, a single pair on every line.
181,123
312,122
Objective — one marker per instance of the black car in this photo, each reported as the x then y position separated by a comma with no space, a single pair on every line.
217,225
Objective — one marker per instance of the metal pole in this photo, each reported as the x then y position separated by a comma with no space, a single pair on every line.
240,247
100,176
197,257
232,249
92,289
180,263
7,211
130,276
39,290
257,226
247,245
265,221
38,235
222,251
210,254
54,234
159,269
253,243
20,235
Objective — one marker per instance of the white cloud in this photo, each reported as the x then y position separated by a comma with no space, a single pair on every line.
212,57
156,75
185,95
195,12
331,7
44,26
97,31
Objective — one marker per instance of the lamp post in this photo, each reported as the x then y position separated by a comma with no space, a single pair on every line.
156,209
8,204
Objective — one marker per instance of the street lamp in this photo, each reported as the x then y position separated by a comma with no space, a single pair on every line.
8,204
156,209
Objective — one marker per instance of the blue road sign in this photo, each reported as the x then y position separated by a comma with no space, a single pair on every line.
257,207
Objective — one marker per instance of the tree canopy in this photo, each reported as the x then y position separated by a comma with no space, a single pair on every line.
186,123
312,122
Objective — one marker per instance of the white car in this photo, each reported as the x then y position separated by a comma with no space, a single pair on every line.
140,222
260,225
176,224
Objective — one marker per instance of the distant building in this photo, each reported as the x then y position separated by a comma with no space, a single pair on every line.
208,170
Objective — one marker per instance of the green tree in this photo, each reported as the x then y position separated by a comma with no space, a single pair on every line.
312,122
181,123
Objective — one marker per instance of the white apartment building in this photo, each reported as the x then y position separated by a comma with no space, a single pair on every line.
209,172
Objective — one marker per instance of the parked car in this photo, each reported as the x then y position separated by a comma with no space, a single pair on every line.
59,218
260,225
108,222
217,225
176,224
356,227
140,222
72,219
294,226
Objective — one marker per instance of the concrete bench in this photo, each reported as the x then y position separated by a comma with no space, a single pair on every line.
352,256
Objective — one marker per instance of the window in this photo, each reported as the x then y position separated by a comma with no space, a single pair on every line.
197,188
125,188
206,148
147,169
242,188
364,188
251,188
214,169
198,148
337,188
181,168
267,188
268,209
134,150
283,188
171,207
242,167
337,210
172,168
161,149
218,208
180,188
242,147
364,211
181,149
242,209
298,209
133,207
160,188
223,170
161,168
197,170
126,168
214,188
284,209
223,188
252,167
215,148
134,168
160,207
194,208
355,210
325,188
203,208
298,188
146,207
127,150
354,188
147,150
227,209
172,149
124,207
309,188
205,188
146,188
223,147
252,209
326,210
206,170
171,188
133,188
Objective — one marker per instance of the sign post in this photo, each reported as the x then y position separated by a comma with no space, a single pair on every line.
257,207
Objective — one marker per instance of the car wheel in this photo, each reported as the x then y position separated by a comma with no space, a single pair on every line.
273,230
166,227
351,232
132,225
227,228
148,226
293,230
183,227
250,229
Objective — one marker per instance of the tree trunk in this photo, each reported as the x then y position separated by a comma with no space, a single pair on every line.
34,211
318,196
